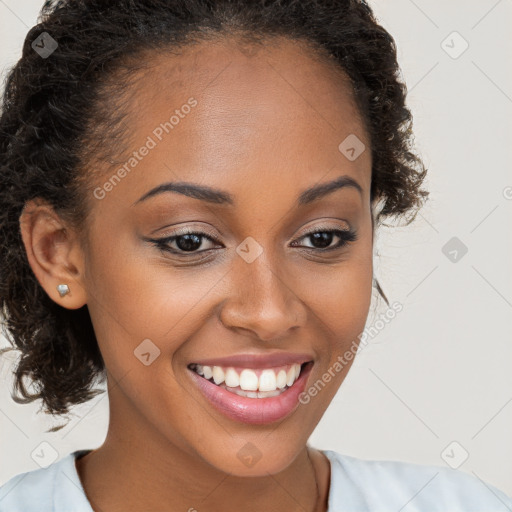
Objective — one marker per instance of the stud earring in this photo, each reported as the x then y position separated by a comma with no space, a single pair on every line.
63,289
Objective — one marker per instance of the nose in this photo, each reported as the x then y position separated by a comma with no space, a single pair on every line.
262,301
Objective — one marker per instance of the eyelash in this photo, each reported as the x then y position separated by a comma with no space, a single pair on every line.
345,235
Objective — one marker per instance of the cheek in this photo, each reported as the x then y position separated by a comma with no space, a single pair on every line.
341,302
341,294
135,298
345,298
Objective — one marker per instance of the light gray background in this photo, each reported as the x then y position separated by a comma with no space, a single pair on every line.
439,372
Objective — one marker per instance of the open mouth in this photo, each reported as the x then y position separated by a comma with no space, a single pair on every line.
252,382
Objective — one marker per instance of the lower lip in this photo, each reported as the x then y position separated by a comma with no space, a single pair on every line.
256,411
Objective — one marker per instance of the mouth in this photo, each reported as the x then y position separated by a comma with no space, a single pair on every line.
249,382
252,395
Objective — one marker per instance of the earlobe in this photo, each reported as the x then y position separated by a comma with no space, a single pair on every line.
54,254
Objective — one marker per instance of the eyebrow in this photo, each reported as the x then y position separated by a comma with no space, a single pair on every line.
216,196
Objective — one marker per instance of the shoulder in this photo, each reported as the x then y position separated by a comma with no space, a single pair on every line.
56,488
383,485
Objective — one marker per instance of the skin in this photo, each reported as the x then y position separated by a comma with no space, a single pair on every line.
267,126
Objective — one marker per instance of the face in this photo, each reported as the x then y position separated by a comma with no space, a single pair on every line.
268,270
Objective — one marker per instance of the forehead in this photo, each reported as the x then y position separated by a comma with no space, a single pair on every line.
266,118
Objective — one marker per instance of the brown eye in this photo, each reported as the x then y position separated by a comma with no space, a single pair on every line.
184,243
322,239
188,243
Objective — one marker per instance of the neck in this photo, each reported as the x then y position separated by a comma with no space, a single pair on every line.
137,467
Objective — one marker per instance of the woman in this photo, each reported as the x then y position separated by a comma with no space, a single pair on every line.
189,197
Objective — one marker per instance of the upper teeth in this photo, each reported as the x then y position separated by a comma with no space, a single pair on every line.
269,379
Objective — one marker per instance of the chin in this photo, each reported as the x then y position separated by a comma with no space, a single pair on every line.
259,457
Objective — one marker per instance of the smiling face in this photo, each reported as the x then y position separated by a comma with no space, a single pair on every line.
257,130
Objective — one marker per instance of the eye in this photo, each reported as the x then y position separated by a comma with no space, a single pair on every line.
322,239
184,243
189,242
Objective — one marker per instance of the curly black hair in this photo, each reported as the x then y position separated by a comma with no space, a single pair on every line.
60,112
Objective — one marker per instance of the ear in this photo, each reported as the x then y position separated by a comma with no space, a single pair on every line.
54,253
376,206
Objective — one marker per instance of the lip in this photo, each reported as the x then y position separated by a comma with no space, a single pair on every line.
256,361
256,411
